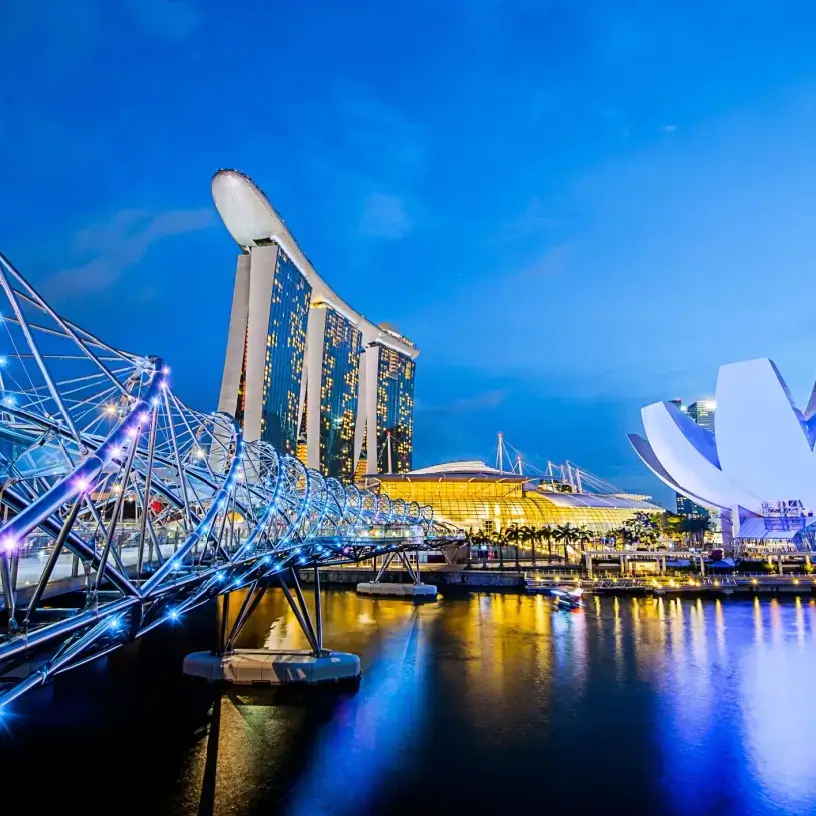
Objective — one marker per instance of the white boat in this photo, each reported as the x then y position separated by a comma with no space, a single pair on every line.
567,597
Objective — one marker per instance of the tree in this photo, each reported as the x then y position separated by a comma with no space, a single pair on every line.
584,535
623,536
616,534
642,527
515,534
671,526
695,528
499,541
529,536
545,533
482,540
567,535
471,540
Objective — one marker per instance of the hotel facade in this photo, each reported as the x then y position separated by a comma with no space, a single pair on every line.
303,370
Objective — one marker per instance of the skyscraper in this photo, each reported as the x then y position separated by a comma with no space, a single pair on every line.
333,396
293,374
702,412
391,423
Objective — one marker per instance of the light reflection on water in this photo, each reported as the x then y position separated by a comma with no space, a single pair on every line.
491,703
702,706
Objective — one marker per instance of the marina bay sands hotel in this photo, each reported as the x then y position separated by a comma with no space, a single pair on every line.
304,371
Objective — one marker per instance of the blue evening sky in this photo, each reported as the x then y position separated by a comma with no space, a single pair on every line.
574,208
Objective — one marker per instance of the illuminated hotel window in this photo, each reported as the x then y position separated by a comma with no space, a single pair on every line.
338,396
395,409
285,348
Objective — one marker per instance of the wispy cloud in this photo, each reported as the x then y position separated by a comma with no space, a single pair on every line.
64,29
384,217
533,222
474,403
553,261
371,158
172,20
111,248
69,29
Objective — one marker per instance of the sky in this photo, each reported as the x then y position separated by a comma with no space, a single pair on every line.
573,208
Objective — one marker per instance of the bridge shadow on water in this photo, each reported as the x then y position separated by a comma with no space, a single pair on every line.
483,703
131,729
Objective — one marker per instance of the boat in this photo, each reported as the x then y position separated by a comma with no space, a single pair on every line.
567,597
536,586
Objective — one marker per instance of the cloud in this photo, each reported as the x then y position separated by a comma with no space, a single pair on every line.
117,245
552,262
384,216
67,30
531,223
64,29
386,146
172,20
471,404
368,163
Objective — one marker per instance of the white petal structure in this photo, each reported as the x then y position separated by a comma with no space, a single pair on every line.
761,449
761,438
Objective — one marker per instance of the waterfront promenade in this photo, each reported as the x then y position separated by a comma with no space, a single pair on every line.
528,579
68,576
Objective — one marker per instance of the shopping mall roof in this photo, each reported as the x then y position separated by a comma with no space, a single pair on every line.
454,471
612,500
476,471
470,495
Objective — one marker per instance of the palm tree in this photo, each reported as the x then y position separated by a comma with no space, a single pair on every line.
515,534
482,539
499,541
545,533
584,535
567,535
471,538
529,535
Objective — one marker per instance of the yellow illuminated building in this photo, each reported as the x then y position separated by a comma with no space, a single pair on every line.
473,496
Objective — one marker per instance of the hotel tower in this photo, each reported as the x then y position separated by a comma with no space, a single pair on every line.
304,371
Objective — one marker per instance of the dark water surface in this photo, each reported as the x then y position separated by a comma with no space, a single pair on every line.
484,703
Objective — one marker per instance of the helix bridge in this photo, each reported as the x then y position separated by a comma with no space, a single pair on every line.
143,507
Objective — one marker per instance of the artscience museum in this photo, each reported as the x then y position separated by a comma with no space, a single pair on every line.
757,468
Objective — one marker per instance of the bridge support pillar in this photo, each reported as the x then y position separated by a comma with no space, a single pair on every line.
269,667
414,589
8,580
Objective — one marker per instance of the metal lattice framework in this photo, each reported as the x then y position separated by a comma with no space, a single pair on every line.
145,506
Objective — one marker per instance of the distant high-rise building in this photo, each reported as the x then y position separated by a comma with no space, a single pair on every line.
335,344
702,412
293,374
391,418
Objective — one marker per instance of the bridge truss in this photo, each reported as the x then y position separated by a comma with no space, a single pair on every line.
145,506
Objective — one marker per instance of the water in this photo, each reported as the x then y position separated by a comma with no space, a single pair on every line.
477,704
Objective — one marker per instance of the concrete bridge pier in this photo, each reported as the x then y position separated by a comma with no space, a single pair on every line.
268,667
415,590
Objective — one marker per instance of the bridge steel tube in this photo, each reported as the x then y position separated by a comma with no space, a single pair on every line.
70,486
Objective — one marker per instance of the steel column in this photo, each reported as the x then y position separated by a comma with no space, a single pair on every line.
318,608
293,605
